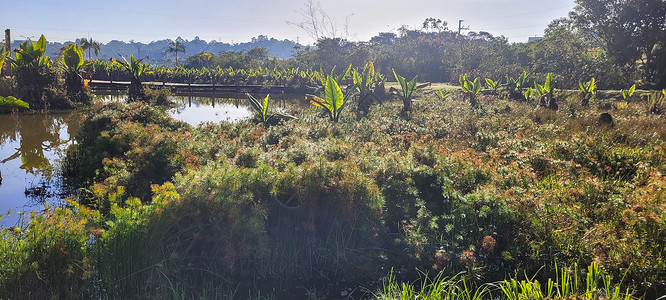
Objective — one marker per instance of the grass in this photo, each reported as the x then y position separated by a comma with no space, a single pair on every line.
472,197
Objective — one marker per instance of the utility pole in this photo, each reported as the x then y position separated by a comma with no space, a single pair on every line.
8,48
460,27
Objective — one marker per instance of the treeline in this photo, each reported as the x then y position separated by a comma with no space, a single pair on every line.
155,50
619,44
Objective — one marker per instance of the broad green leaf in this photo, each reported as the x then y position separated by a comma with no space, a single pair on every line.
72,57
411,86
400,79
343,75
443,96
539,89
265,110
477,85
369,72
467,86
11,101
254,103
284,116
346,98
547,84
322,103
41,44
522,79
490,83
356,77
334,94
528,93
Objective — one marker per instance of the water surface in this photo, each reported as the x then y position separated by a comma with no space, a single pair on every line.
199,109
32,147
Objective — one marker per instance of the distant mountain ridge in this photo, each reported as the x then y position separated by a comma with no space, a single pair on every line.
155,49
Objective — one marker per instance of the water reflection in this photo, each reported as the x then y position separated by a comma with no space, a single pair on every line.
198,109
31,147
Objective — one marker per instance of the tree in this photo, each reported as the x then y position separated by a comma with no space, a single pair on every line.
176,47
383,38
258,53
629,30
90,44
318,24
434,25
72,62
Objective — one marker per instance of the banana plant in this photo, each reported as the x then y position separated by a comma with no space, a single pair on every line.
339,77
408,89
492,85
368,84
136,68
626,94
334,101
514,86
528,94
262,110
32,70
471,88
587,90
442,96
656,102
31,54
72,62
546,92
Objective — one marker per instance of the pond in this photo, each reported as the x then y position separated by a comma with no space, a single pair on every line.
32,147
195,109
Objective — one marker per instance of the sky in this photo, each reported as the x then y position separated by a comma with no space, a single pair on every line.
238,21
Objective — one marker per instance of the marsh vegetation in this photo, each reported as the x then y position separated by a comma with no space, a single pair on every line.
535,172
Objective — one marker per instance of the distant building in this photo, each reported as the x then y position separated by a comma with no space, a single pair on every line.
534,38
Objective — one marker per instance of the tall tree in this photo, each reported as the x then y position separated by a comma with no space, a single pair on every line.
176,47
90,44
629,30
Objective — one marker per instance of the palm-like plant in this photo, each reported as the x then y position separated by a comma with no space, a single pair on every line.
546,92
492,85
262,110
368,83
514,86
176,47
335,101
471,88
32,70
656,102
90,44
72,61
408,89
136,68
587,90
626,94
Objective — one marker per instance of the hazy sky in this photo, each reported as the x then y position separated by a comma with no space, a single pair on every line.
239,21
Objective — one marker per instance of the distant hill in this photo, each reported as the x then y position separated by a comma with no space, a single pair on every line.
155,50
